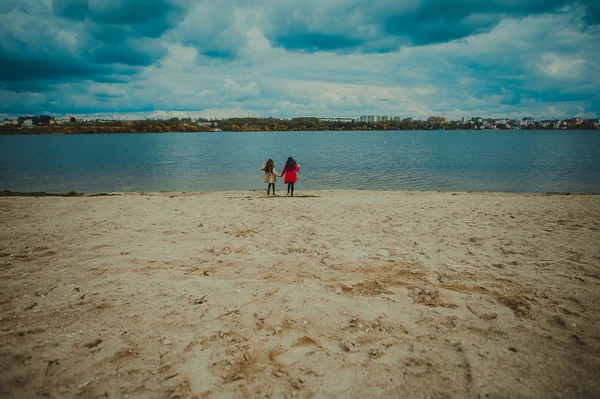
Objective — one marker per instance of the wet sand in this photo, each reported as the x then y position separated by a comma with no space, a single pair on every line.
343,294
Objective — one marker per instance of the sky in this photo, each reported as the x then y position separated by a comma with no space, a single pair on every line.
288,58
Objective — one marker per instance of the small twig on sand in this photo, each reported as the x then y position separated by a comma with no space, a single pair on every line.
161,356
230,312
199,301
169,377
31,306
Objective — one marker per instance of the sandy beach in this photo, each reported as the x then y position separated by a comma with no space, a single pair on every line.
338,294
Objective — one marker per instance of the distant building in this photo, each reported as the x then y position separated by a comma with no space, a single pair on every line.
437,119
378,118
526,122
27,123
343,120
574,122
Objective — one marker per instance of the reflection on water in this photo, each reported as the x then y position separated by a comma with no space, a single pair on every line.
525,161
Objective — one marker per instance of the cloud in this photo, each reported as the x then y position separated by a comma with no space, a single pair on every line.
292,57
34,48
232,91
72,9
132,53
385,25
304,40
149,18
214,30
101,40
108,91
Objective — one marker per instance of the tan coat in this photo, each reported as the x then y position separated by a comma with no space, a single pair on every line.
269,177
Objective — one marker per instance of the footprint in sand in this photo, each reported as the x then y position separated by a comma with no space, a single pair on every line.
301,347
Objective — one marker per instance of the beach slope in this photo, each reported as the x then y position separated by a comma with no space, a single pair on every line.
340,294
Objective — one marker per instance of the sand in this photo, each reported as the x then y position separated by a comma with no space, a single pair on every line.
347,294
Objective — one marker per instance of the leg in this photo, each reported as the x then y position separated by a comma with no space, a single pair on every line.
268,188
289,184
273,188
292,189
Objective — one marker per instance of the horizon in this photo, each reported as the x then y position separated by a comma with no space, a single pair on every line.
355,119
201,59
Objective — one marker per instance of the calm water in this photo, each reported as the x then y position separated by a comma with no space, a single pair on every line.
524,161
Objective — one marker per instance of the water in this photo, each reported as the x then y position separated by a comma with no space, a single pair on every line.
522,161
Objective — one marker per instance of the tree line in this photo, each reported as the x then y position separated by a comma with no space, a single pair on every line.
45,124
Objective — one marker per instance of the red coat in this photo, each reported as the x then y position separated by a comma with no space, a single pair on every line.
290,175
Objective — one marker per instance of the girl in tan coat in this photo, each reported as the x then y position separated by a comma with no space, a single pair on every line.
270,175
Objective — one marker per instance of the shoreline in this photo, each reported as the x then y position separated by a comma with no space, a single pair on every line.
31,132
306,194
231,294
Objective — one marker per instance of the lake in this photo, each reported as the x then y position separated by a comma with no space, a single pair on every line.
520,161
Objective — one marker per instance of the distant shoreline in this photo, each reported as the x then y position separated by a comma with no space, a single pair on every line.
307,194
32,132
47,124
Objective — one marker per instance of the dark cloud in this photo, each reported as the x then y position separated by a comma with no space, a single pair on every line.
31,48
107,96
441,21
31,66
122,12
425,26
107,33
315,42
109,41
71,9
592,16
7,6
133,12
317,26
226,55
133,53
34,86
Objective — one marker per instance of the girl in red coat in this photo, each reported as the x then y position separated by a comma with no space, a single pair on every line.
289,173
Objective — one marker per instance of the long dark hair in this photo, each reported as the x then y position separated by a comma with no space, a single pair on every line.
269,166
290,164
